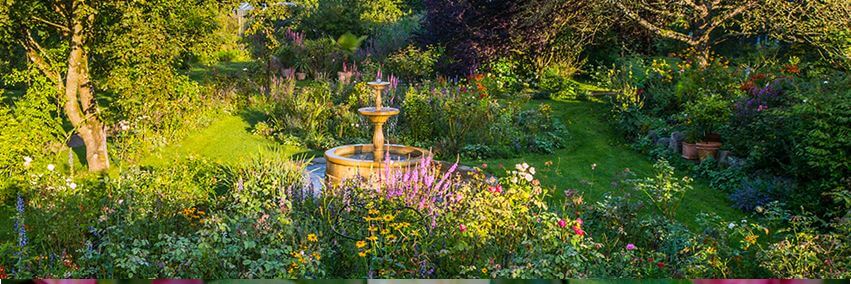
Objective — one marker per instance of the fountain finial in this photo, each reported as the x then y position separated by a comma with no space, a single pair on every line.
378,86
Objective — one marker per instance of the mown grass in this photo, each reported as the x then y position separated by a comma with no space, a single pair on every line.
594,142
228,140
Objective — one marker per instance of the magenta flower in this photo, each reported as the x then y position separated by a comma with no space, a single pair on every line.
462,228
630,247
577,230
562,223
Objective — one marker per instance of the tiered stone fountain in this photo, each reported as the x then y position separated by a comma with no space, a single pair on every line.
365,160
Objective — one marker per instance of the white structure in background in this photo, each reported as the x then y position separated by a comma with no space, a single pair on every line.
245,8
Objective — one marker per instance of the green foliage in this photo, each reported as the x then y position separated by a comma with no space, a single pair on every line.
336,17
708,114
503,79
807,252
450,117
413,63
349,42
30,128
390,38
555,85
664,190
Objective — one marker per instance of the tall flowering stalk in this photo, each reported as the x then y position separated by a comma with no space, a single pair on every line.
22,232
296,37
394,83
422,187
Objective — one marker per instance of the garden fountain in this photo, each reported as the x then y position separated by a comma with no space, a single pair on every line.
365,160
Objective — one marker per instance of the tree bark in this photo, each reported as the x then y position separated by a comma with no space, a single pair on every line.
79,103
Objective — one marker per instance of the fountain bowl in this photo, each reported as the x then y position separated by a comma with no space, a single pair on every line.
349,161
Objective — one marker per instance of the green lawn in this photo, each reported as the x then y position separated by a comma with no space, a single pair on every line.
594,142
228,140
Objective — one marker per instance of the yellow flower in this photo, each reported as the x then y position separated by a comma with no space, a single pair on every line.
362,254
316,256
388,217
373,212
312,238
710,250
385,231
372,229
391,237
360,244
485,270
372,238
751,239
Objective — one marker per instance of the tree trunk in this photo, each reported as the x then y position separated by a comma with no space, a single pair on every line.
80,106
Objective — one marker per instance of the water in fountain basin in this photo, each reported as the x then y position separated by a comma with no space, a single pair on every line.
369,157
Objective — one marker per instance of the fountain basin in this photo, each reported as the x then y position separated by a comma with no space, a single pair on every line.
349,161
378,115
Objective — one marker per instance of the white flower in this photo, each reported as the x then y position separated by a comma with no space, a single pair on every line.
594,166
532,170
519,167
513,179
825,82
72,185
244,69
525,166
27,161
50,167
731,225
528,177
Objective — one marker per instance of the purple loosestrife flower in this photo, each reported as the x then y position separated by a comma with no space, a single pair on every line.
630,246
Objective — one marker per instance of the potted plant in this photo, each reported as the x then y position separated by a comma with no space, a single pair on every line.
301,63
690,144
707,116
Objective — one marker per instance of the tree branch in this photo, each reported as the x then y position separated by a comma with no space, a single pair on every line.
650,26
715,23
58,26
34,52
701,9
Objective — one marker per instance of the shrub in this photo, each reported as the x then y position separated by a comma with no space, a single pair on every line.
502,79
759,192
664,190
413,63
449,117
556,86
804,251
708,114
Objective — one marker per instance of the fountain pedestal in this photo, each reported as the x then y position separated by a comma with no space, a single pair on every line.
365,160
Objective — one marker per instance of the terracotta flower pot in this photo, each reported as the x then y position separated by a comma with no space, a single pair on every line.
689,151
707,149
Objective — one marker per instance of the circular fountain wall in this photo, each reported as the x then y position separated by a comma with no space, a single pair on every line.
349,161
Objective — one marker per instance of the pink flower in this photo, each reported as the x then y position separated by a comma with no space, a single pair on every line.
579,220
495,189
577,230
630,247
484,166
562,223
462,228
